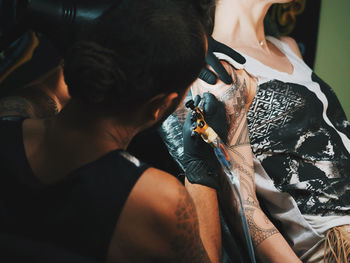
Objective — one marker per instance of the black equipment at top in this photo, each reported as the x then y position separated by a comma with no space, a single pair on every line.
62,21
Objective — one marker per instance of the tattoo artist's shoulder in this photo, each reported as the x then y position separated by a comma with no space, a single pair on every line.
175,212
166,192
292,44
43,102
29,103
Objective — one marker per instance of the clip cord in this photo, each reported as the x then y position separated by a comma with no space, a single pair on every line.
222,154
233,175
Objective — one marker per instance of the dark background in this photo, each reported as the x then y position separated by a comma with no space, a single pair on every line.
300,20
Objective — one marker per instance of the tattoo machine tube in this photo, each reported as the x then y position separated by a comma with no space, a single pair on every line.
221,152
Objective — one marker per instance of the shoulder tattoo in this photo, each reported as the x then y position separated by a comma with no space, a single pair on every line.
187,244
43,104
29,102
235,99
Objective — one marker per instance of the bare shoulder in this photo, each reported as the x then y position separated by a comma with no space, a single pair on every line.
158,223
242,80
292,44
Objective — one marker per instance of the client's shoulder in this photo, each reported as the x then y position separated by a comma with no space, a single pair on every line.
244,85
292,44
243,82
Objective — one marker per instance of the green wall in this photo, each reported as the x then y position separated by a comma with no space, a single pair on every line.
332,62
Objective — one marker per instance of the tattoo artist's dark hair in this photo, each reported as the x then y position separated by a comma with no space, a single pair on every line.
138,49
206,11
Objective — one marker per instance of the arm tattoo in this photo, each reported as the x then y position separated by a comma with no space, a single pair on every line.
44,105
235,99
258,233
29,102
251,201
187,244
16,106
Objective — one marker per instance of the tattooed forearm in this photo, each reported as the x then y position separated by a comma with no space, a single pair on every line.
16,106
251,201
237,99
44,106
247,186
28,103
34,105
188,244
259,231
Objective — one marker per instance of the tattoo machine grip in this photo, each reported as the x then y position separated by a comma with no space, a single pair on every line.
211,137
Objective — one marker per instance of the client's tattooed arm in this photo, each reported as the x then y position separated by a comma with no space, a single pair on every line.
237,98
40,99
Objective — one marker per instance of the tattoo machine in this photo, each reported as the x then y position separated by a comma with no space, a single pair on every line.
212,138
201,128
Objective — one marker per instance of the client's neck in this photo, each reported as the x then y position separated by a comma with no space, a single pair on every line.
240,23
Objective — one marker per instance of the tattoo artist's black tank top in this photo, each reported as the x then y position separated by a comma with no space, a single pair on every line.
78,213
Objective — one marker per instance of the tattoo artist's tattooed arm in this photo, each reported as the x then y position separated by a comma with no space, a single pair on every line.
16,106
41,99
31,103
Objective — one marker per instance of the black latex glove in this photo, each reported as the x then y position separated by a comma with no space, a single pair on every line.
201,164
214,62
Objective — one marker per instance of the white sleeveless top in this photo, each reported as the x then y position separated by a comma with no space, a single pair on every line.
300,135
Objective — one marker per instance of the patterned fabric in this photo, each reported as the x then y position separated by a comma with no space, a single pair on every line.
300,137
302,153
300,134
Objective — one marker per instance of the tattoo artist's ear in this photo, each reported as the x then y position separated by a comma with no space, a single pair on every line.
161,103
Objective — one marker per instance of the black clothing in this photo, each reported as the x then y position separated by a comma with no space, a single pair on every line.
17,249
79,213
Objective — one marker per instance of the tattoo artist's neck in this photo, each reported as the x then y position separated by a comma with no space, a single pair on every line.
96,127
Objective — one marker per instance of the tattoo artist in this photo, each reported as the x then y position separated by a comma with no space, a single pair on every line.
70,183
